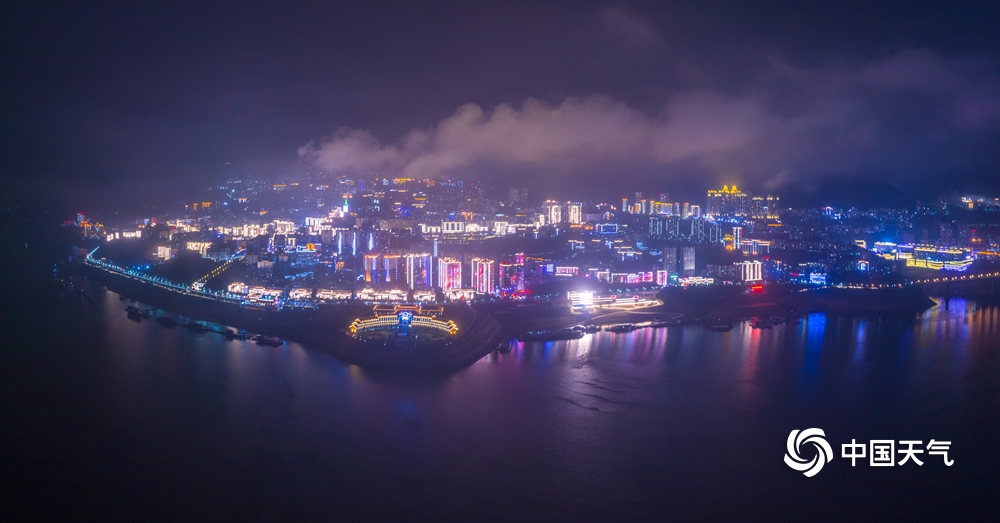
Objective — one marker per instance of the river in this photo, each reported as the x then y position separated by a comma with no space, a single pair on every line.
112,418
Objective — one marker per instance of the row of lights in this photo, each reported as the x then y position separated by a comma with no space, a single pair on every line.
957,278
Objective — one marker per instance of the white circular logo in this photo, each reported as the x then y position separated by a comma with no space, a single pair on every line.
794,459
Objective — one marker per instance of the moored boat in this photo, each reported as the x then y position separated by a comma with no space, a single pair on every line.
719,326
550,335
269,341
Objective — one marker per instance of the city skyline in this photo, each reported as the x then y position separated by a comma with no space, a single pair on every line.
697,260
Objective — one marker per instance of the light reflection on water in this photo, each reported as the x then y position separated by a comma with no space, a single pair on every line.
609,420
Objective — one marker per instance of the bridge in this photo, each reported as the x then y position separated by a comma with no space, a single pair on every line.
937,280
156,281
200,282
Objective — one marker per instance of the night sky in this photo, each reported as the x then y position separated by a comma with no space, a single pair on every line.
128,101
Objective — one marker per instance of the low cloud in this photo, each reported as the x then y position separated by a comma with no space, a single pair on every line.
907,114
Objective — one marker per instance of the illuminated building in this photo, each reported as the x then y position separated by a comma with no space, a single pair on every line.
371,268
687,260
575,211
284,227
200,247
553,212
886,250
459,294
382,295
696,280
394,268
482,275
512,277
764,207
332,295
697,230
451,227
418,271
163,252
449,274
655,227
755,247
567,271
264,296
299,294
751,271
401,318
728,202
670,260
935,257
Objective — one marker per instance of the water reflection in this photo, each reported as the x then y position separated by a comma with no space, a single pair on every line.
586,416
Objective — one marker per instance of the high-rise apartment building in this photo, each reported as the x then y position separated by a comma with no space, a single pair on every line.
729,202
449,274
483,280
553,212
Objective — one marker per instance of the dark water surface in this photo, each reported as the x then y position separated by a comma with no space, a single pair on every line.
110,417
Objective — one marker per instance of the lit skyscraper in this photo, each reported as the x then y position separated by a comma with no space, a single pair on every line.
449,274
418,271
553,212
394,268
751,271
728,202
371,268
575,211
482,275
512,277
687,260
670,260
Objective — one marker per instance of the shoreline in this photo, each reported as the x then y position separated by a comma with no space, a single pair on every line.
487,327
325,328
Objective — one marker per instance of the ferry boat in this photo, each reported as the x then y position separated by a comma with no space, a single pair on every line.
138,312
269,341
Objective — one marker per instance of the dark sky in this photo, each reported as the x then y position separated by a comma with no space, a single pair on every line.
149,102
